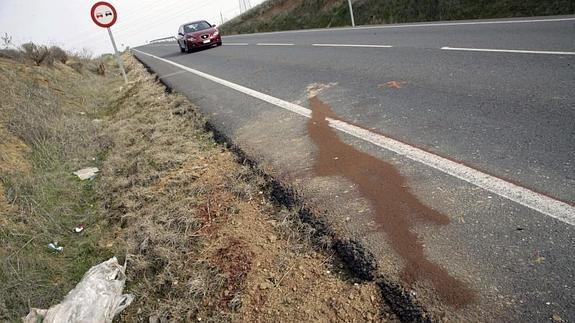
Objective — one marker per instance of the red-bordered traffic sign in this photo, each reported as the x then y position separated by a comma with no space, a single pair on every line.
103,14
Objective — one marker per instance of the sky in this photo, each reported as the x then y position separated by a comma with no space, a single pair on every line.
67,23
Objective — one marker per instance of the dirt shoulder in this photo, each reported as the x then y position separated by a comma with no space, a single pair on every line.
205,241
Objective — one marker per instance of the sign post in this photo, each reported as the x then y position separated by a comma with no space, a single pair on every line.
104,15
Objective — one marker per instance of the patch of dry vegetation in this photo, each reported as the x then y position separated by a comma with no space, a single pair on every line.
46,133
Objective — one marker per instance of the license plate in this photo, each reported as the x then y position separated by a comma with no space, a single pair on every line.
206,41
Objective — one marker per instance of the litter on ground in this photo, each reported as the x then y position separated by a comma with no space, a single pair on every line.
97,298
87,173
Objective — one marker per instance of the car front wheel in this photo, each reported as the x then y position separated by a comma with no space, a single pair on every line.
219,43
188,48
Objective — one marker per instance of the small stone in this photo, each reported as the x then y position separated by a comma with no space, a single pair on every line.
369,317
154,319
272,238
351,296
372,298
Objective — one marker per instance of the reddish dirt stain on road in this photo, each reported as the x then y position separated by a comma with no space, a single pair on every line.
395,207
393,84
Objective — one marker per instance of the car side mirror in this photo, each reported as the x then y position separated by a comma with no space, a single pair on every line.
180,34
213,25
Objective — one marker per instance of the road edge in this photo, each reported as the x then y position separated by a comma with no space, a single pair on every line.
359,260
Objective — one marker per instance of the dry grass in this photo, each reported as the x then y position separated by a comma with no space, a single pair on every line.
46,132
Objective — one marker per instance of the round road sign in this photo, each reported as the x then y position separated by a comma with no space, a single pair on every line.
103,14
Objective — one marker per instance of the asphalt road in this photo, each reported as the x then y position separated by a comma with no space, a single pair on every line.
494,96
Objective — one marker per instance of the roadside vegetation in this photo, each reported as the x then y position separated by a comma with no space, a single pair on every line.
46,132
201,234
274,15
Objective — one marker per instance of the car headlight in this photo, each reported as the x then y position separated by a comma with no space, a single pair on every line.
217,32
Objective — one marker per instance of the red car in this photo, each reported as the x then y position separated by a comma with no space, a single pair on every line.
198,34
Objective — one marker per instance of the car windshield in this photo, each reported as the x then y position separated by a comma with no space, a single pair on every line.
195,26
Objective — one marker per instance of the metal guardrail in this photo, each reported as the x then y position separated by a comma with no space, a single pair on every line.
163,40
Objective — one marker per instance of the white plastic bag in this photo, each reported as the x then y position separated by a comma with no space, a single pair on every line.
97,298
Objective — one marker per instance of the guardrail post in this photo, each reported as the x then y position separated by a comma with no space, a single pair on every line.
351,13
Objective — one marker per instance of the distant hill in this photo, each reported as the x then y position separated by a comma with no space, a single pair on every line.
274,15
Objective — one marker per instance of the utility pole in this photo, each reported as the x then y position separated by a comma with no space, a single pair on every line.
221,18
240,2
351,13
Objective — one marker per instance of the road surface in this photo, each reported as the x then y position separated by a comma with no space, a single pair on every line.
469,126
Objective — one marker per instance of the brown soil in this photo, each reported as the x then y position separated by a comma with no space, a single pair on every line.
396,209
12,153
12,159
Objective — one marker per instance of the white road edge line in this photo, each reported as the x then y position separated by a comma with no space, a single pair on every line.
273,44
237,44
440,24
508,51
521,195
351,45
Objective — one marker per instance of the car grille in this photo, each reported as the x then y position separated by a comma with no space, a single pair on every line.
205,36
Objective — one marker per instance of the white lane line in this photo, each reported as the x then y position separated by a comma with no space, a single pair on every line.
440,24
352,45
508,51
236,44
533,200
274,44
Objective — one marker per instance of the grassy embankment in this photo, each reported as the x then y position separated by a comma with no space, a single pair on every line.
202,238
46,131
274,15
